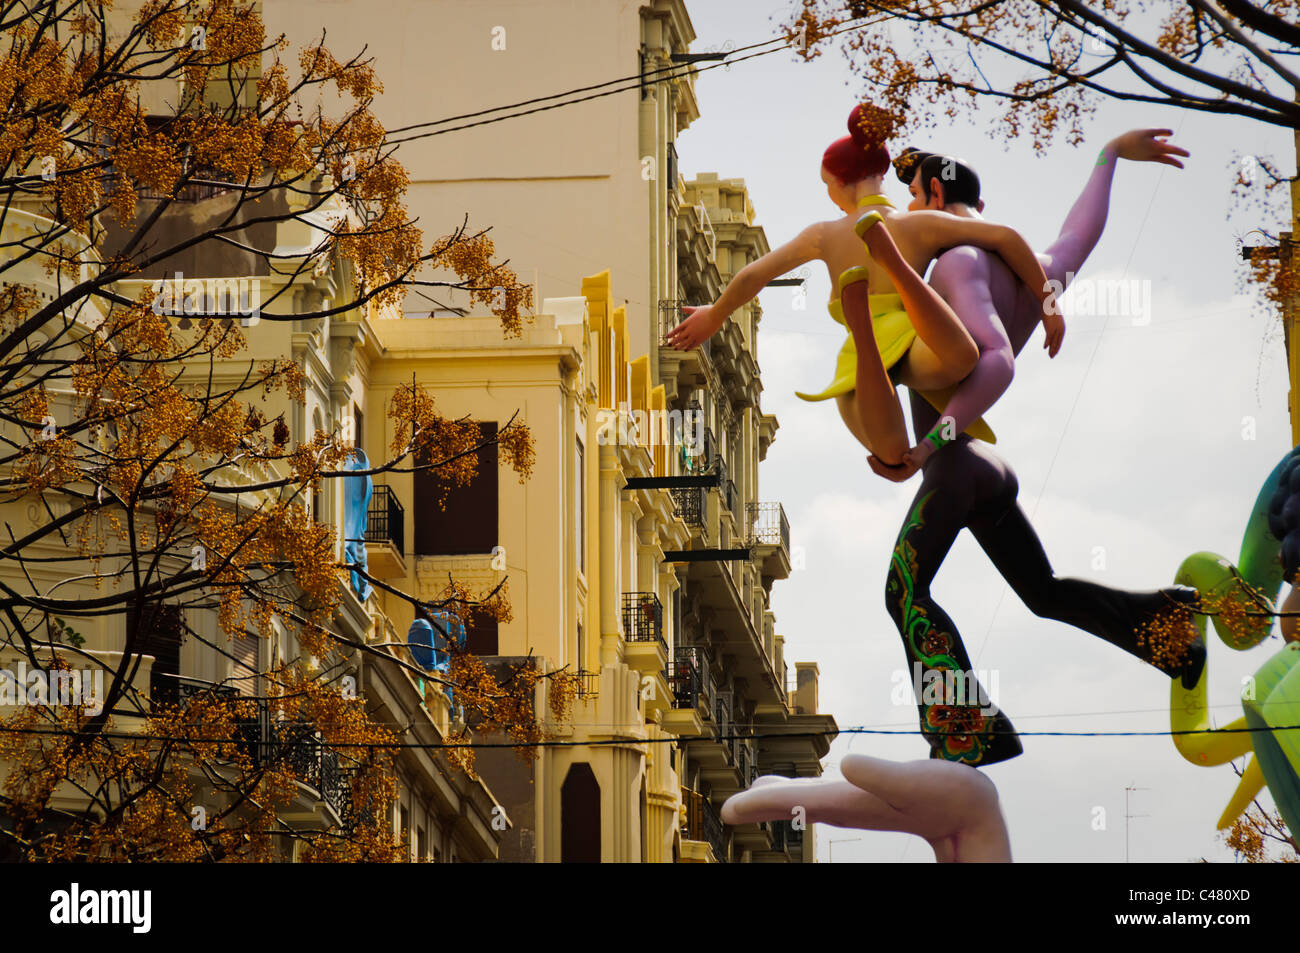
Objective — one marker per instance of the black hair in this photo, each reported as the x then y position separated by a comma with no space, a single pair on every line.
960,183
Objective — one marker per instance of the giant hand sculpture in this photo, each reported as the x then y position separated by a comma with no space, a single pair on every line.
952,806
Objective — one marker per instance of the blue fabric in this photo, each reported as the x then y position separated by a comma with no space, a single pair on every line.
357,491
431,645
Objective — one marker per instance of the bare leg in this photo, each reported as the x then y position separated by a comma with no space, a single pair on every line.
847,404
879,415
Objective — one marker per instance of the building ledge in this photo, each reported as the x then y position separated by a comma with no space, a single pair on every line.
696,852
683,722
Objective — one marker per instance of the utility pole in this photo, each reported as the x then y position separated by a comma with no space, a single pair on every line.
1288,287
1127,815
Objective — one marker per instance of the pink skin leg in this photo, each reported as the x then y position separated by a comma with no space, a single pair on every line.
952,806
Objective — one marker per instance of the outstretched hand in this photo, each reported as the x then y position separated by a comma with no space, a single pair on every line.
1148,145
701,324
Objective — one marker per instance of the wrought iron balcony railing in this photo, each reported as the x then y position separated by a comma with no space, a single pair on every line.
386,519
688,503
643,618
588,683
699,449
745,762
167,689
204,182
684,678
670,315
298,746
722,720
768,525
785,837
702,823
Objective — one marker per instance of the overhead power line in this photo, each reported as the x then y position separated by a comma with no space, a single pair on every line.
637,81
429,746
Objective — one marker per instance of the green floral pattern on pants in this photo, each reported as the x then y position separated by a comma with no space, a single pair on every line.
955,732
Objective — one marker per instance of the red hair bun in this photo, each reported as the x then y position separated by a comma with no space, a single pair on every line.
862,153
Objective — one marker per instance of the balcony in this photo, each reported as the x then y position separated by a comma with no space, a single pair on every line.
315,765
731,499
787,842
177,690
688,505
744,757
643,618
753,837
385,535
319,769
643,631
204,183
703,836
670,315
769,537
686,684
714,751
810,732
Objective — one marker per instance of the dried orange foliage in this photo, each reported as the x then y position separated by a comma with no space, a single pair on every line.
496,286
148,461
212,791
450,445
1253,835
1048,63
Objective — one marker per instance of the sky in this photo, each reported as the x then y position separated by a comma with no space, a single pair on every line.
1141,443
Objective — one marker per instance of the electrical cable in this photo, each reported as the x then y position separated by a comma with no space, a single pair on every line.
600,742
639,84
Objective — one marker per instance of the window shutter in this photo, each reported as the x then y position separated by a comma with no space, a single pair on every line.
467,521
160,629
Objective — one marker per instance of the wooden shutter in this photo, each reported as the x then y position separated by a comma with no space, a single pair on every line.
159,632
467,521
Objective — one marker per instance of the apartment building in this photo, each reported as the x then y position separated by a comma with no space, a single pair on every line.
646,567
444,814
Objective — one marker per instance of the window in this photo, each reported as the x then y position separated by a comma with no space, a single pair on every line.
419,844
467,520
317,499
582,649
481,634
403,833
480,631
358,422
159,631
580,514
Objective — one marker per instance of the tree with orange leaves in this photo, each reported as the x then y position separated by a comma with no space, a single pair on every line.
152,486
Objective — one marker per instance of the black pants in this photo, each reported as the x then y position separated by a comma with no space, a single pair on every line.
966,485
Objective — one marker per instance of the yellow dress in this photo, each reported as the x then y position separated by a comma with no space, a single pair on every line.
894,334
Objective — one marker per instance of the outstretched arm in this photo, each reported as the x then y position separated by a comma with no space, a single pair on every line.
1084,225
703,322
